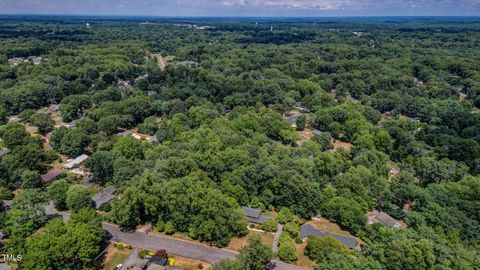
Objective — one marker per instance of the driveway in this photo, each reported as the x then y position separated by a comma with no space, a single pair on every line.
180,247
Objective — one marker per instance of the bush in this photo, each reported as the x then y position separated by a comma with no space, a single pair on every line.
143,253
298,240
286,249
252,226
160,226
292,229
120,246
270,225
169,228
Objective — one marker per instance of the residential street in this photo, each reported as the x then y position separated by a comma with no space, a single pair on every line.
179,247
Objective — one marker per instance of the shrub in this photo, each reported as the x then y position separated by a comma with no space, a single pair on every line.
143,253
292,229
298,240
160,225
270,225
120,246
286,249
169,228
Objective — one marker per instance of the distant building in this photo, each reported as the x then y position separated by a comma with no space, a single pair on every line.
52,175
14,118
53,108
307,230
5,152
37,60
104,197
16,61
7,205
124,133
386,220
254,216
292,121
316,132
74,162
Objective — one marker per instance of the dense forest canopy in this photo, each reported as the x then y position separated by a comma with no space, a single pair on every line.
403,93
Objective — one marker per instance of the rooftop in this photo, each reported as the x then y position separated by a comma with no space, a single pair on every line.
104,197
51,175
254,215
72,163
125,133
307,230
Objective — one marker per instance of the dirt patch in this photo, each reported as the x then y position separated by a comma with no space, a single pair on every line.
189,264
237,243
305,134
339,144
303,261
326,225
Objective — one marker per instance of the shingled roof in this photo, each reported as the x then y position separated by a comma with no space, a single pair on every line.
104,197
307,230
254,215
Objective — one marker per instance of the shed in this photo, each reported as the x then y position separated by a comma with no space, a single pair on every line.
52,175
308,229
74,162
386,220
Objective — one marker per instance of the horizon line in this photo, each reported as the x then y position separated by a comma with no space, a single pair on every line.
239,16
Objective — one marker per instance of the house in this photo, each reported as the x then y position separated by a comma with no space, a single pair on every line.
16,61
69,125
37,60
74,162
152,139
316,132
53,108
151,93
292,121
308,229
254,216
51,175
7,205
89,181
124,133
104,197
155,262
14,118
5,152
386,220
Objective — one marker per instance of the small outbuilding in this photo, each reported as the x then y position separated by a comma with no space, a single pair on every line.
309,230
75,162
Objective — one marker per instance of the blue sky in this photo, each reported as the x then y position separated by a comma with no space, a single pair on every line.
244,7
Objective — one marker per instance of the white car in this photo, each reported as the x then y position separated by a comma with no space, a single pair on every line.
118,267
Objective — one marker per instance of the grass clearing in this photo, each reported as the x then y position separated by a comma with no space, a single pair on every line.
113,257
303,261
190,264
237,243
326,225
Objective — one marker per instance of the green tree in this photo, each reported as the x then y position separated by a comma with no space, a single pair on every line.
31,179
57,192
43,122
78,198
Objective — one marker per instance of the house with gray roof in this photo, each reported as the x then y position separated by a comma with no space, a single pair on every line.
254,216
386,220
51,175
104,197
74,162
124,133
309,230
5,152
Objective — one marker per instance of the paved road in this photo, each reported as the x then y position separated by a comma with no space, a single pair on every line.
276,238
180,247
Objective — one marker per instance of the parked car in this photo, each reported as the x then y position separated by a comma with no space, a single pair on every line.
118,267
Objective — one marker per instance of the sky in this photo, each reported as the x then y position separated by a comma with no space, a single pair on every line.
249,8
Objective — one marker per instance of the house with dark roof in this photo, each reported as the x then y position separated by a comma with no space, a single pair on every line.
51,175
254,216
386,220
5,152
104,197
307,230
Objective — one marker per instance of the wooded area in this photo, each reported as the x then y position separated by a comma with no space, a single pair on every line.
223,126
